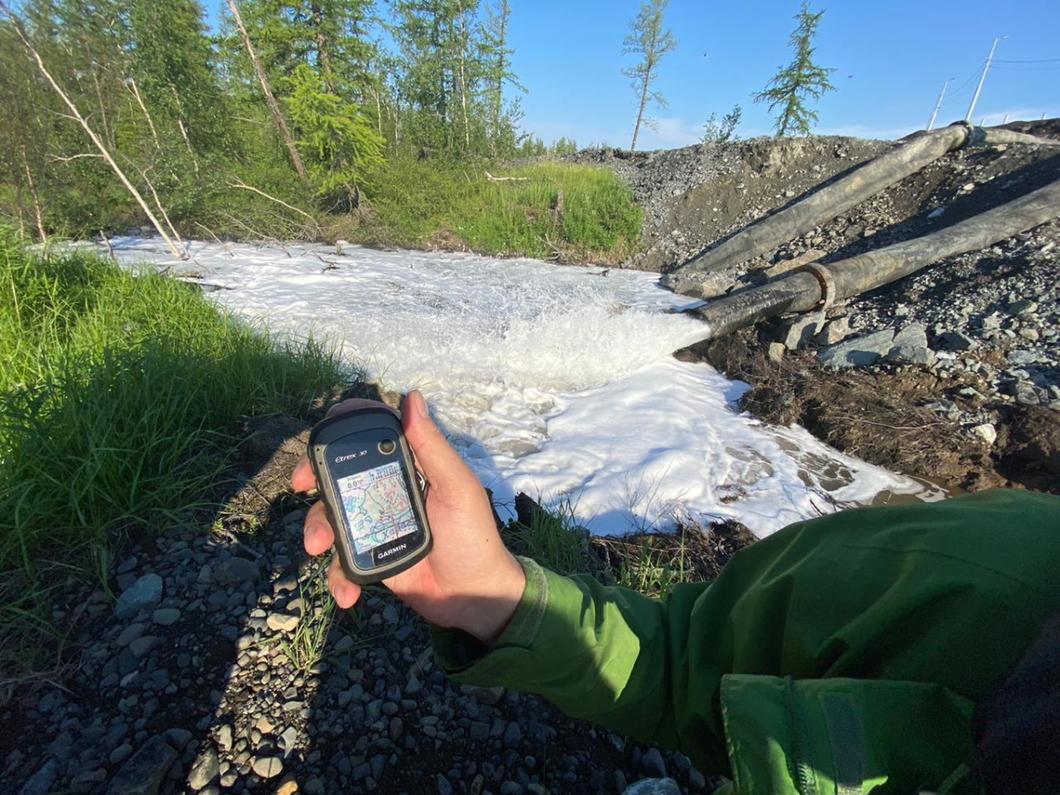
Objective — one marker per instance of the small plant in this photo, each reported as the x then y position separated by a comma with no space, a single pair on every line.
654,570
554,539
305,646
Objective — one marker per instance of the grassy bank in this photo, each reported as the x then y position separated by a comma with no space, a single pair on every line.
116,396
544,209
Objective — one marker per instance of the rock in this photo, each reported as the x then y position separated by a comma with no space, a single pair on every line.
235,570
165,616
141,647
936,213
513,735
144,594
267,767
41,782
444,787
224,738
776,352
120,754
1023,307
282,622
911,354
288,740
130,633
511,788
986,431
483,695
390,614
653,786
858,352
836,331
205,769
178,738
653,763
146,770
696,779
289,786
802,329
956,341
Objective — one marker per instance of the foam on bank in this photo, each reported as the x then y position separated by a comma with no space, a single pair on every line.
551,380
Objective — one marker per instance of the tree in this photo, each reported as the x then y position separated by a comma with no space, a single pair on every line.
651,41
715,132
800,81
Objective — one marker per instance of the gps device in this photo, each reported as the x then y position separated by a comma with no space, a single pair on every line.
373,493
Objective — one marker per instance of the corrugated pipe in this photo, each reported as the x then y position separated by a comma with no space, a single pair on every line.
764,235
817,286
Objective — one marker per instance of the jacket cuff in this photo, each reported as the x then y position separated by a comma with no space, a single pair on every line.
464,658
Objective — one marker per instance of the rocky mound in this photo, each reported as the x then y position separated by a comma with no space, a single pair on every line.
953,373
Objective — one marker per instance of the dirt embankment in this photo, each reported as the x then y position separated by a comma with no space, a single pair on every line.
951,374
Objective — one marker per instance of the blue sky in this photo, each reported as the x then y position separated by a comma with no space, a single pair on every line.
891,59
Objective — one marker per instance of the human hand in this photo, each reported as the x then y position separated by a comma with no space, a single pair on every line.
469,580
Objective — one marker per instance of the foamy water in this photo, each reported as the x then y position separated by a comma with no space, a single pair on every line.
550,380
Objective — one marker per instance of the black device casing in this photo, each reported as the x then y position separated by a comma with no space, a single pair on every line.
355,436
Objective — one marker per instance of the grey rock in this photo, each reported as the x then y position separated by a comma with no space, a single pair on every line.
282,622
141,647
836,331
144,594
224,738
235,570
444,787
513,735
697,779
858,352
130,633
390,614
653,763
288,740
653,786
479,730
511,788
120,754
1020,357
802,329
1023,307
166,616
483,695
911,354
361,772
178,738
956,341
42,781
267,767
146,770
205,769
776,352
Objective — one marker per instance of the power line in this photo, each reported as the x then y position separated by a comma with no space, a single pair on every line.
956,94
1041,60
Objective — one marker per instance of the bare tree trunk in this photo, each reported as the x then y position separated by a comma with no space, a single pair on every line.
131,83
184,130
108,133
36,200
463,76
90,132
274,107
640,110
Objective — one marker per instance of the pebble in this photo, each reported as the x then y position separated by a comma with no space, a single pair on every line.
166,616
205,769
267,766
283,622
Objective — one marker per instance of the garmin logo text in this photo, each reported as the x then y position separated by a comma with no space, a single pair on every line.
340,458
390,552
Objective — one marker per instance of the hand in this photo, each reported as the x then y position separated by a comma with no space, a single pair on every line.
469,580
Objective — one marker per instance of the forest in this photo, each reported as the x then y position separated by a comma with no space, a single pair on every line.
390,123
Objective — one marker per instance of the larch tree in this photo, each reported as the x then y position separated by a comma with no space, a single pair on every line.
651,41
791,90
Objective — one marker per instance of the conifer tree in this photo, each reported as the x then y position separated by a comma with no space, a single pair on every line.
649,39
799,82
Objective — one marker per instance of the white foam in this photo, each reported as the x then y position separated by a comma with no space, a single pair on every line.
551,380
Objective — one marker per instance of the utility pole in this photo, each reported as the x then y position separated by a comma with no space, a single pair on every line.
982,77
938,105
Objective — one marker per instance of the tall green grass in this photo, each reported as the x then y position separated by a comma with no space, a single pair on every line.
115,396
578,212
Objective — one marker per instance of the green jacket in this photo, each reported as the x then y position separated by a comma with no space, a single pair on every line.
841,655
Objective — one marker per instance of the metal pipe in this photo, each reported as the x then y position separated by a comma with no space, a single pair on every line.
692,278
819,285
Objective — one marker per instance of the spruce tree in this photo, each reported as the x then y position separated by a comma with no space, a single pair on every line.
651,41
799,82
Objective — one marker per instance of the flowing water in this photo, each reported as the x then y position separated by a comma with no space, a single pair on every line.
550,380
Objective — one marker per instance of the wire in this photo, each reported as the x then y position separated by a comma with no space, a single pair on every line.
954,95
1042,60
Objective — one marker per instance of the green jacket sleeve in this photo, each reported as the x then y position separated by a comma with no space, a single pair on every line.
947,594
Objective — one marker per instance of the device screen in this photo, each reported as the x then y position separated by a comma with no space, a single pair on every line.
377,506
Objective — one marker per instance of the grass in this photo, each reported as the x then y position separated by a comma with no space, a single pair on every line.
546,209
305,646
117,393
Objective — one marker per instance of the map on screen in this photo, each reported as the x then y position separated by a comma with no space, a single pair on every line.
377,506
